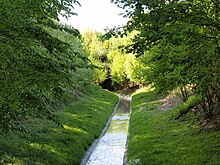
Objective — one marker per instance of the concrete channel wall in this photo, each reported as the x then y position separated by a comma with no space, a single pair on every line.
96,141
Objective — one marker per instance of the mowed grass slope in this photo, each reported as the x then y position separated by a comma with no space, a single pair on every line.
156,138
47,144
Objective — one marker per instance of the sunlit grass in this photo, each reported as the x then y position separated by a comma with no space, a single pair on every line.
156,138
47,143
46,147
73,129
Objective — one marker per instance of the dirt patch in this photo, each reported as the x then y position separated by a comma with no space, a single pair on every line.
210,123
168,103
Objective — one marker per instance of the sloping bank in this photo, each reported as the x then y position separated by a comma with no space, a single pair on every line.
156,138
83,121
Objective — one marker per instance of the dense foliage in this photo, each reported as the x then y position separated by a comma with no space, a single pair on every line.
179,41
111,61
39,59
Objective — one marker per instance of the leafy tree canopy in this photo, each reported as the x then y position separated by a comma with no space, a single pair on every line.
179,42
39,59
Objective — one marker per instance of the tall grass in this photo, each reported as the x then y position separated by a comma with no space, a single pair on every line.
156,138
82,120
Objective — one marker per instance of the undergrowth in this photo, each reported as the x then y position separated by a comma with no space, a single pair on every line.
46,143
158,138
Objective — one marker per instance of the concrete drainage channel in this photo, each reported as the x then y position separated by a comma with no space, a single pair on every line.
110,148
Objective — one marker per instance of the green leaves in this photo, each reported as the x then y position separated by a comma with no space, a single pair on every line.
38,59
179,42
111,60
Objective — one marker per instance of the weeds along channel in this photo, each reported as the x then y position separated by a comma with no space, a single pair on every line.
156,137
47,143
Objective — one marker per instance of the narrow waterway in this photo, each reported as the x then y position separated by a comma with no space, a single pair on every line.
110,149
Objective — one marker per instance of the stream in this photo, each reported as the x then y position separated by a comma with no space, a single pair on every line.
110,149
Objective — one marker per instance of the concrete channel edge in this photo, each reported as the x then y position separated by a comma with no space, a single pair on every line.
96,141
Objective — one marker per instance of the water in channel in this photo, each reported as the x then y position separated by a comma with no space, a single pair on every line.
110,149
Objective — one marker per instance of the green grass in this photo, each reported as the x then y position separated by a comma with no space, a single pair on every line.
83,121
156,138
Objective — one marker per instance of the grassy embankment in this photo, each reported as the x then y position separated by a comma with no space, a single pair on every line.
83,121
156,138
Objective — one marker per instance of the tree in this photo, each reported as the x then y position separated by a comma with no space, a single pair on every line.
124,66
97,54
179,42
111,61
37,65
